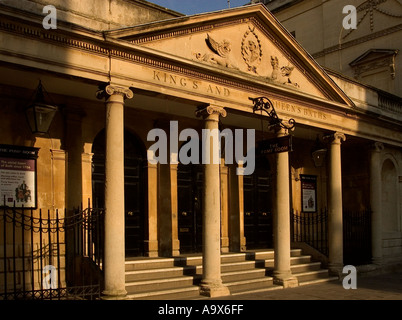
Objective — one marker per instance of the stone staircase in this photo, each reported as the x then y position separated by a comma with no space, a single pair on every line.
179,277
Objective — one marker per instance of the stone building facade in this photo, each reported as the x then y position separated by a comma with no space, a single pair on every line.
116,77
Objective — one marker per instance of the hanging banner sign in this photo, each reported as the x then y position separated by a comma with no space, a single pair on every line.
277,145
309,193
18,176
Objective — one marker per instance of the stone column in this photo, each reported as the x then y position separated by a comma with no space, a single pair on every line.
211,284
114,263
375,199
282,273
335,226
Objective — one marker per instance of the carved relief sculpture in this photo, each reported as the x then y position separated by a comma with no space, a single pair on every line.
251,49
221,53
282,74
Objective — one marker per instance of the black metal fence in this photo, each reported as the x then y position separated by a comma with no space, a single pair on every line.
356,237
311,228
50,255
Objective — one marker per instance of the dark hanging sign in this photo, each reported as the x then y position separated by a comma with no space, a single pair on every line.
277,145
18,176
309,193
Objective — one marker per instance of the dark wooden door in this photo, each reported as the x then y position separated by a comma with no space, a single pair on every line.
258,207
134,189
189,184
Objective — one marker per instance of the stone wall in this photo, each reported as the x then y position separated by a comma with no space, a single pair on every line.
100,14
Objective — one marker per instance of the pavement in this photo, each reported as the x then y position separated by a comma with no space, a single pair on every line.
369,287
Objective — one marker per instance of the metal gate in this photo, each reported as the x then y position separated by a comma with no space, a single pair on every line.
45,255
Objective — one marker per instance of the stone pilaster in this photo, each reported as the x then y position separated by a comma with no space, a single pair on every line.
375,199
224,207
282,272
211,284
114,263
335,223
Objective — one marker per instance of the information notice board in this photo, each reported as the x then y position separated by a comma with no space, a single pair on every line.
18,176
309,193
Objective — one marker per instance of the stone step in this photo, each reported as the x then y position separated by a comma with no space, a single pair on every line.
312,275
243,275
162,273
157,263
161,284
304,267
179,277
187,293
251,284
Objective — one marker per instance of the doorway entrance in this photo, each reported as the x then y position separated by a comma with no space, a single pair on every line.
189,185
258,222
135,181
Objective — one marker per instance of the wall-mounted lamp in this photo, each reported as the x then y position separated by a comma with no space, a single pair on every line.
319,153
266,105
39,113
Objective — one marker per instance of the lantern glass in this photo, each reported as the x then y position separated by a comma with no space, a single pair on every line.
319,157
40,117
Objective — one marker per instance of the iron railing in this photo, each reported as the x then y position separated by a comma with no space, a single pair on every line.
356,237
50,254
311,228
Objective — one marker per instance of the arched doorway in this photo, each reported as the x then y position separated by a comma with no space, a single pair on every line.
258,221
135,181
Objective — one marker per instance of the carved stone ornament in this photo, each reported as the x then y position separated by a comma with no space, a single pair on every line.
211,110
251,49
110,90
282,74
220,53
252,54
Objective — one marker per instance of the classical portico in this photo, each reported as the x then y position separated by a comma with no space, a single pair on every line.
200,72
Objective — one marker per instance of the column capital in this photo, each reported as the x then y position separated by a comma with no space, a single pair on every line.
111,89
211,111
377,147
335,138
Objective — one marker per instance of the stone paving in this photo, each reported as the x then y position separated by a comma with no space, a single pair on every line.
379,287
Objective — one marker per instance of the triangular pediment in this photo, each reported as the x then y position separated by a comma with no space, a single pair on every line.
248,42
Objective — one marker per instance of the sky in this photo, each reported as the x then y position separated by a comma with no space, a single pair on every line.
190,7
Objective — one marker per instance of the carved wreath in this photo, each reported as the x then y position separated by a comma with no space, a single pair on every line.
251,49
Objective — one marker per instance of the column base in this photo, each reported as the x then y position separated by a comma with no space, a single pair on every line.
214,291
377,261
114,295
224,244
151,248
286,280
336,270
